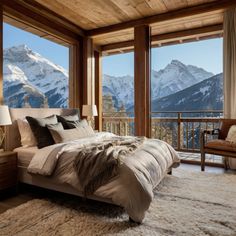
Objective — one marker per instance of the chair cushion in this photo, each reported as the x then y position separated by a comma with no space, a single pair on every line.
222,145
225,126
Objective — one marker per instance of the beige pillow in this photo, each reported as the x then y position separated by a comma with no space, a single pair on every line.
26,134
232,134
62,136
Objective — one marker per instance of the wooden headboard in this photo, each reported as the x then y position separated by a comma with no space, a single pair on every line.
12,139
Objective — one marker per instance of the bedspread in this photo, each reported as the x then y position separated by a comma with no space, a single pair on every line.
132,188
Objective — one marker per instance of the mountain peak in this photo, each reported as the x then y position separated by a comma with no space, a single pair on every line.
177,63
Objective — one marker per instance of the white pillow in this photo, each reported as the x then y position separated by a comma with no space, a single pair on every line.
27,136
231,134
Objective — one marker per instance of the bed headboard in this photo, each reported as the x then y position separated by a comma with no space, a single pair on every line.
12,139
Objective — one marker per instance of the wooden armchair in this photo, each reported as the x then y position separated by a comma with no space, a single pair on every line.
218,146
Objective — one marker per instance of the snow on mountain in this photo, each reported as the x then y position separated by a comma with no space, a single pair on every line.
205,95
37,75
175,77
121,88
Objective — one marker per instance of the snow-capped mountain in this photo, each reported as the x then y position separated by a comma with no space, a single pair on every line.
206,95
175,77
28,74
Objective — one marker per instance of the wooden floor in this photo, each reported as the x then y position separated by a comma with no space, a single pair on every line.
27,193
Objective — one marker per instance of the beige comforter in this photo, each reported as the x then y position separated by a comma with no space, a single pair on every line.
140,172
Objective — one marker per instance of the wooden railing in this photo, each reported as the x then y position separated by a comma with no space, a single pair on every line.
180,129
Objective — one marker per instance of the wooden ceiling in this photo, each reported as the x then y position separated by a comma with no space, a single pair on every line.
110,22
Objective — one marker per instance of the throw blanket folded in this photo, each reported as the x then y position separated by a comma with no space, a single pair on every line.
97,164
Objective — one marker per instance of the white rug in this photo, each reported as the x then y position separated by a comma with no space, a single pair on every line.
188,203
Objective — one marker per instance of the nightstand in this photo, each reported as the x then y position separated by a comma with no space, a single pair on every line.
8,170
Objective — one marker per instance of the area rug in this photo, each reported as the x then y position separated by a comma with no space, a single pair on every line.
187,203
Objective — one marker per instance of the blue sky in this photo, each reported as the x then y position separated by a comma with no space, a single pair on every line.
56,53
207,54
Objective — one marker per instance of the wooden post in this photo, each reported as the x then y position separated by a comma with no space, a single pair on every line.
98,89
88,71
1,56
142,80
76,77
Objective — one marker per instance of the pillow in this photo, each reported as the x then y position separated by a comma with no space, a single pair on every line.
27,137
57,126
83,125
64,119
62,136
232,134
40,131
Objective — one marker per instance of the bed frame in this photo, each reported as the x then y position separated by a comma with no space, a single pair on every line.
12,141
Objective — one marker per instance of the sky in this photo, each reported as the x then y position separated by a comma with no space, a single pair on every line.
56,53
207,54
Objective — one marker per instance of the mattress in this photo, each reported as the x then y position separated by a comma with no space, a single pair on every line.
25,155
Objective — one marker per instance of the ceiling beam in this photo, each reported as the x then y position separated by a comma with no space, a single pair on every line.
21,13
36,7
170,15
168,36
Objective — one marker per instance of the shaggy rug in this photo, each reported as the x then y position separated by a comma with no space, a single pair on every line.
187,203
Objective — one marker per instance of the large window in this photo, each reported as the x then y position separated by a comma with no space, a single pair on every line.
186,91
35,70
118,93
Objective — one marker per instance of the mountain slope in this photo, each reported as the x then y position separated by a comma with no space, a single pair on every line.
24,67
206,95
173,78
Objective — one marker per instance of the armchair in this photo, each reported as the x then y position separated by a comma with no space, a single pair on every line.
218,146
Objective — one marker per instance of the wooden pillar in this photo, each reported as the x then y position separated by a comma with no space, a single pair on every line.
88,71
76,76
98,89
1,56
142,80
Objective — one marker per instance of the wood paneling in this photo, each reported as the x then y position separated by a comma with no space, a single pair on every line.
98,89
142,80
170,15
94,14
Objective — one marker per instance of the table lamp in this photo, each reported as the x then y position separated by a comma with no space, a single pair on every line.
90,111
5,119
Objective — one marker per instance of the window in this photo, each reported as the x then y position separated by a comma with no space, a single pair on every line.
118,93
35,70
186,86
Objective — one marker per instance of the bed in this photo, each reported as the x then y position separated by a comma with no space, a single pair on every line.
132,188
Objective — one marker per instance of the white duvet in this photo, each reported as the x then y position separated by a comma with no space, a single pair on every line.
132,188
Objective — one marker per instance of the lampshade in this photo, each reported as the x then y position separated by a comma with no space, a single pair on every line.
5,118
89,110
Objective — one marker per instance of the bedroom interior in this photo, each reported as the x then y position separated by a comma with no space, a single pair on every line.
71,170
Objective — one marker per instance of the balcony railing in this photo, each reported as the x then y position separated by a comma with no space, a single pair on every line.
180,129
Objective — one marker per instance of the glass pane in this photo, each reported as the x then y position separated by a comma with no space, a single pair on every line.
35,70
186,91
118,94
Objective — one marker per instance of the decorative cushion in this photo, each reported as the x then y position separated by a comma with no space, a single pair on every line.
61,136
232,134
57,126
40,131
220,144
64,119
26,134
83,125
225,126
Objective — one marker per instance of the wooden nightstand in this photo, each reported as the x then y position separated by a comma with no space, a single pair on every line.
8,170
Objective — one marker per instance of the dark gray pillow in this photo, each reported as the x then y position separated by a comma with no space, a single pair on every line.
64,119
40,131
